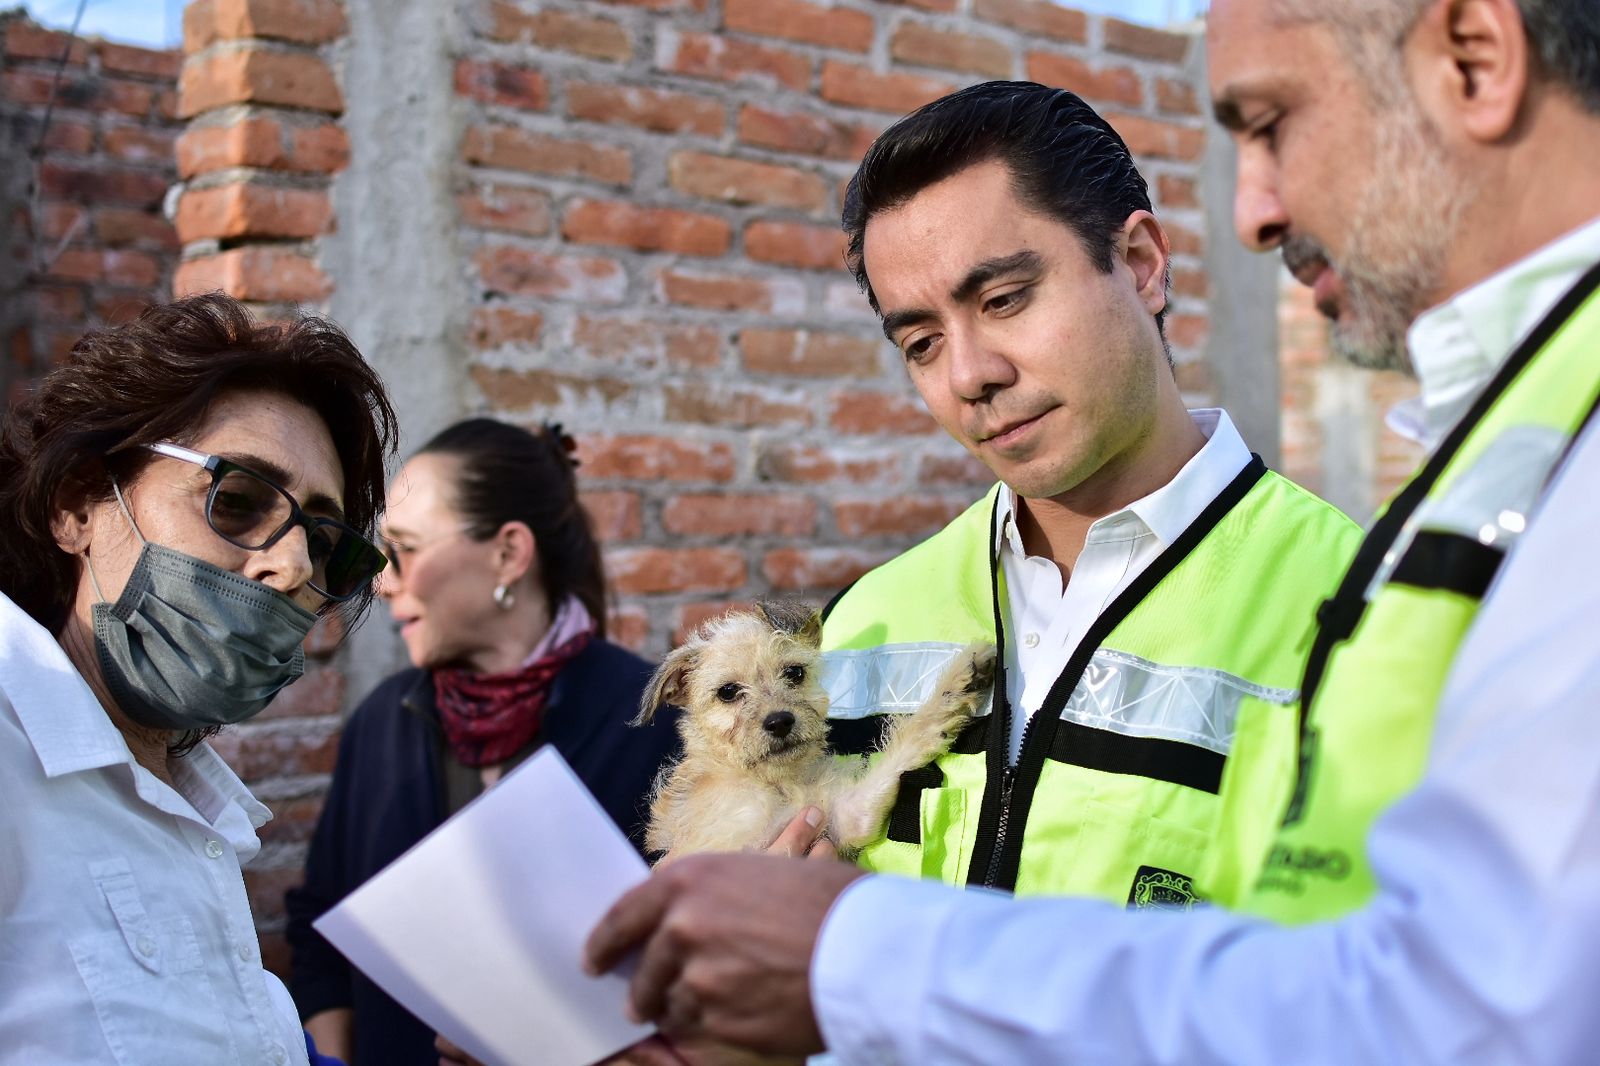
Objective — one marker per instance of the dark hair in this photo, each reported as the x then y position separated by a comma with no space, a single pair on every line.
1065,161
511,475
1565,35
155,379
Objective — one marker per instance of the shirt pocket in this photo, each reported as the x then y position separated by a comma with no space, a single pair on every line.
147,980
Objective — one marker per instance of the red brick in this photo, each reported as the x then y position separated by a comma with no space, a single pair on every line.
1176,97
144,62
62,181
78,264
518,390
129,97
953,470
525,272
325,637
628,626
259,274
644,458
501,83
741,181
320,693
1185,241
71,138
614,515
273,748
740,515
257,76
120,308
1194,376
132,144
644,343
1135,40
650,109
796,20
1191,283
56,221
843,83
302,21
1118,85
742,407
1173,191
787,351
1157,139
923,46
1187,331
249,209
618,223
795,244
876,412
937,6
250,142
662,5
811,465
514,149
1043,17
596,38
705,55
818,568
508,208
732,292
901,516
642,571
78,91
62,302
323,148
119,226
494,327
789,131
26,39
693,615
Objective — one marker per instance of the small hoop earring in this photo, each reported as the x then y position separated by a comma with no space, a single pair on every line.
504,598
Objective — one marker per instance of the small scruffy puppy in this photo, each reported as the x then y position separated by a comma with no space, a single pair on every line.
755,734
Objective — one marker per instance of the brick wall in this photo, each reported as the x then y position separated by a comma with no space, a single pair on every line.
1335,441
649,196
91,246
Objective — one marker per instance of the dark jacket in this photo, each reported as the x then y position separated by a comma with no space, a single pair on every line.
388,793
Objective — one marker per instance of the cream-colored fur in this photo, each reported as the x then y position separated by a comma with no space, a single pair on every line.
739,782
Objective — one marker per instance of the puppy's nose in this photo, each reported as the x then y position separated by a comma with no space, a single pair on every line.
778,723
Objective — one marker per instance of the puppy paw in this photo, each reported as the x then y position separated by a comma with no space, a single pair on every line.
972,673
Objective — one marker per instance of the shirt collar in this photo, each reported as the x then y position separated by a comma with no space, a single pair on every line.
70,731
1457,346
1170,509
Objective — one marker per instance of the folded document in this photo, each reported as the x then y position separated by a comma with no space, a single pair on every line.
479,929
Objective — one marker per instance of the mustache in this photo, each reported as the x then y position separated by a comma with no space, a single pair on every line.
1304,257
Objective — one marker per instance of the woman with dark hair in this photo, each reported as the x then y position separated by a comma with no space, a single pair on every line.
179,503
497,587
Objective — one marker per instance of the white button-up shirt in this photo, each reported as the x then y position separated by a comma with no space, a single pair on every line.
125,933
1046,621
1481,944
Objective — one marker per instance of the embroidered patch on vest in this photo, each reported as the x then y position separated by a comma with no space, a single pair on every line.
1155,887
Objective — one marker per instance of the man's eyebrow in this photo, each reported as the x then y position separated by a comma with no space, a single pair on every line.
318,503
1225,109
1026,260
895,321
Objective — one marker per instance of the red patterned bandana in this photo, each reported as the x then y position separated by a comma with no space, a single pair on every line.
488,718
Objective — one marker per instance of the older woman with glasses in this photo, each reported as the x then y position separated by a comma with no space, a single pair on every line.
496,585
180,501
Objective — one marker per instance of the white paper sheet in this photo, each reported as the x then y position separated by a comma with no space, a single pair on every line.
479,928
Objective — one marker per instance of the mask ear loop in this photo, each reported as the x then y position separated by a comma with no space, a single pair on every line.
123,504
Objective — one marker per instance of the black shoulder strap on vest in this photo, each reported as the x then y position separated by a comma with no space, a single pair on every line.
1096,749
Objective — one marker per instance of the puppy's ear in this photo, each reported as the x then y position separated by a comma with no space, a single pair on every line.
669,684
794,618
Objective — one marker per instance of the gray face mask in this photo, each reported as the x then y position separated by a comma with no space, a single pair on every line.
189,645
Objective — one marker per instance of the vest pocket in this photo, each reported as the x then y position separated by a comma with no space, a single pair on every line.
146,978
945,854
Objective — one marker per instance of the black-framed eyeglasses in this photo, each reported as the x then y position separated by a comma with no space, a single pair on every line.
254,513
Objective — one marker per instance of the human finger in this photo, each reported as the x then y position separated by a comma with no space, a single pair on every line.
825,850
799,835
626,925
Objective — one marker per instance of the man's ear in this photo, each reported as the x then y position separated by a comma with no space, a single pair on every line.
1469,64
670,682
1144,247
516,552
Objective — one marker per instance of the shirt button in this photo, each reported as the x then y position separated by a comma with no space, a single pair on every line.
246,952
1031,640
214,849
147,947
278,1054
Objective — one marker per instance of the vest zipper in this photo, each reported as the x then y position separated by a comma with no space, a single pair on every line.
992,874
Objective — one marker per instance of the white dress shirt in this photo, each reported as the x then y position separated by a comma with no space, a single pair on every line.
1479,948
1046,620
125,933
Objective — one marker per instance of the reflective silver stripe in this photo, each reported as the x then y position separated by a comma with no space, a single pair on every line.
1490,500
1118,692
889,678
1198,705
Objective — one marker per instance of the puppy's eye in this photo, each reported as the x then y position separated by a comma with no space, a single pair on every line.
794,673
728,693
